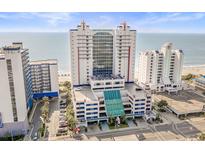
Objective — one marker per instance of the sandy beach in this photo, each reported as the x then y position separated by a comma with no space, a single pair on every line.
197,69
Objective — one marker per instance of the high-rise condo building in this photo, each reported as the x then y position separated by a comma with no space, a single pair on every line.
45,78
15,89
102,72
161,70
102,52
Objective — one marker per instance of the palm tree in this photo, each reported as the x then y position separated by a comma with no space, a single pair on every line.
45,99
123,118
162,104
111,120
71,122
45,108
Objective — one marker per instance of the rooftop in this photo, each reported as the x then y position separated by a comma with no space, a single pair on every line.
135,90
48,61
106,77
84,93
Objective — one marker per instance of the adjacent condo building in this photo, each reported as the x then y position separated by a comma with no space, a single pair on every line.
15,89
44,78
102,72
160,70
200,83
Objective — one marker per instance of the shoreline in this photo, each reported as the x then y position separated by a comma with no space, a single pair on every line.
194,69
191,66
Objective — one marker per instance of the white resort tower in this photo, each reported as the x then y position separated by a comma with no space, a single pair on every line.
15,89
161,70
102,72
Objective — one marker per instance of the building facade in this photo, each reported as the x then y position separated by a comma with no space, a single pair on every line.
102,74
199,83
161,70
45,78
102,52
15,89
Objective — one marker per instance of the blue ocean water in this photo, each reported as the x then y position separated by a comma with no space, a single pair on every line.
56,45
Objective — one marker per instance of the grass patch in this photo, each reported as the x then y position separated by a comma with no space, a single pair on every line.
125,125
14,138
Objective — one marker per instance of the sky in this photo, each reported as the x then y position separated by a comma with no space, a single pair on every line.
142,22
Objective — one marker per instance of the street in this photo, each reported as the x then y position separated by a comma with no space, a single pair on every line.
36,121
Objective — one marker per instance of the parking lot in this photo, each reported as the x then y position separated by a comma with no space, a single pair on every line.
187,129
185,102
198,122
58,123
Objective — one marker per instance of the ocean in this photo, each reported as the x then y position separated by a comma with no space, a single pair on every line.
56,45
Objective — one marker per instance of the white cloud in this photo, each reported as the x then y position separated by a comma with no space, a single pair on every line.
54,18
2,16
102,22
170,17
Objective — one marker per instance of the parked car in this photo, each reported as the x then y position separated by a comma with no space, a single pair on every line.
141,137
63,106
61,134
62,130
62,119
63,125
63,122
35,138
62,110
62,114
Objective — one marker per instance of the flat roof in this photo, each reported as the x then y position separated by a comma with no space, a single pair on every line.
84,93
135,90
46,61
112,77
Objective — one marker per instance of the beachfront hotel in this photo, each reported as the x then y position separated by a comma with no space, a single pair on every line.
15,89
161,70
44,78
102,73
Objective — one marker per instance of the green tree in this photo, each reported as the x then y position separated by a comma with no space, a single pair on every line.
71,122
162,104
202,137
188,77
67,85
45,111
123,119
45,99
111,120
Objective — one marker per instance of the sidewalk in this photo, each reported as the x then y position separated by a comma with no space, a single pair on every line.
131,124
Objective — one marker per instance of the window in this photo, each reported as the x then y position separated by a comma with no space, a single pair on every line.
90,109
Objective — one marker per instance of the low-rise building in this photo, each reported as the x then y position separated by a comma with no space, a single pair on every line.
200,83
93,106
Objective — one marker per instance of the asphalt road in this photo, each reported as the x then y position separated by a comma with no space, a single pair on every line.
187,129
183,128
122,132
36,119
